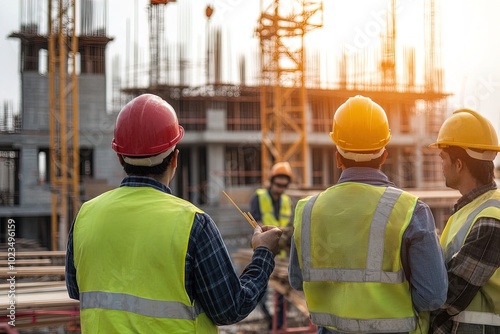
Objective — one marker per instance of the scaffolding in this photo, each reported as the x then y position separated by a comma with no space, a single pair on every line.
283,91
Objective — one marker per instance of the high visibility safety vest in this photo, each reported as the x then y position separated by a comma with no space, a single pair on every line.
130,246
348,239
267,209
485,307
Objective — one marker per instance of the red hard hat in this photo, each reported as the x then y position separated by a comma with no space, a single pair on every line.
146,126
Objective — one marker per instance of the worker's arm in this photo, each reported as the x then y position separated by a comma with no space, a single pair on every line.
470,269
70,269
294,272
421,255
212,280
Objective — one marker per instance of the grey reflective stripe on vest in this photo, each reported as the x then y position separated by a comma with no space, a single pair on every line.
459,238
137,305
305,237
374,259
479,318
365,325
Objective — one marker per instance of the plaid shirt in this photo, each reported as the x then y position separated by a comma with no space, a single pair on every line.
210,276
471,267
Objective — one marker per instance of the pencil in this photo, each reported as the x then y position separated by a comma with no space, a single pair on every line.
248,216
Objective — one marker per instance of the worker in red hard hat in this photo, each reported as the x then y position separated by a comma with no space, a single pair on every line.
142,260
366,253
468,145
271,206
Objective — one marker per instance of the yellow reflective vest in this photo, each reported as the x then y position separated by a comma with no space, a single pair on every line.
267,210
130,246
485,307
348,240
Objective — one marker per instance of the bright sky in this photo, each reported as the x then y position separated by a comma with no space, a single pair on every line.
470,38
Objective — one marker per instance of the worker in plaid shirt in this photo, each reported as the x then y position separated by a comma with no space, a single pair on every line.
471,238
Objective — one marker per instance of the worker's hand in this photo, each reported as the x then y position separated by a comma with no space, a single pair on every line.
267,236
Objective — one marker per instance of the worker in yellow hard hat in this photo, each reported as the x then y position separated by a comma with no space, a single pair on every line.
271,206
471,237
366,253
142,260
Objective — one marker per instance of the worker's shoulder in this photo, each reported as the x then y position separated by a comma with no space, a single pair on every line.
186,204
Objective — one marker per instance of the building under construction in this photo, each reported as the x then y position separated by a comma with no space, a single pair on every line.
56,153
234,130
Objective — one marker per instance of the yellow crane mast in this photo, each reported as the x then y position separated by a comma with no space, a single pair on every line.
281,29
63,110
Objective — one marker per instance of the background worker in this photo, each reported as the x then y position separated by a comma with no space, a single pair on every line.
365,253
471,237
271,206
142,260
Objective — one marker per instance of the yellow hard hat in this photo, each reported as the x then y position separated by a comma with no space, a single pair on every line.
281,168
469,130
360,125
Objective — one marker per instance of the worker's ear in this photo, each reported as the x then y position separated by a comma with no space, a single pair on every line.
340,164
384,157
120,159
459,164
173,161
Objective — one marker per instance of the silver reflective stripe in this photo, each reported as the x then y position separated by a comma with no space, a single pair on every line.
481,318
305,237
374,258
365,325
137,305
356,275
459,238
376,242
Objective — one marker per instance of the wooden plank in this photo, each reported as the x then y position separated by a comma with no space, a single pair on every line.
26,262
34,254
33,285
35,271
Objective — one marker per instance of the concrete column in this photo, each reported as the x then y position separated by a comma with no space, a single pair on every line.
216,121
418,167
195,173
215,157
398,166
29,171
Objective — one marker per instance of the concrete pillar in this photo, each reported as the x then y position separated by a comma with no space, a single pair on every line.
195,174
29,171
418,167
216,121
398,166
215,157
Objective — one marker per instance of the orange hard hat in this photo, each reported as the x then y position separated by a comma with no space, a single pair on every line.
281,168
146,126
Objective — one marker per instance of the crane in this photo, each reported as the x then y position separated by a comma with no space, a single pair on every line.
281,29
64,117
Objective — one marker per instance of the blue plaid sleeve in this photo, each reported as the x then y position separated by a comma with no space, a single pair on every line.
212,280
70,269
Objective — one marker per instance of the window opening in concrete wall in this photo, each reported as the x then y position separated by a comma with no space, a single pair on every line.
9,177
243,165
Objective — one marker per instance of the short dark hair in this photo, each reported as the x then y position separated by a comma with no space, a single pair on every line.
375,163
281,175
143,170
483,171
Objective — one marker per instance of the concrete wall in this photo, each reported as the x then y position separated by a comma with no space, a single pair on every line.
35,101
